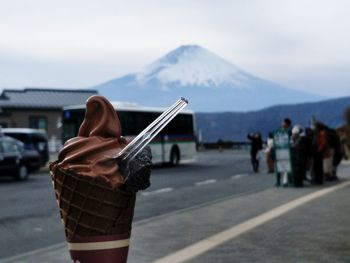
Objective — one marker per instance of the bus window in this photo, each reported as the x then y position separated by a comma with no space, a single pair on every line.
181,124
133,122
71,121
69,131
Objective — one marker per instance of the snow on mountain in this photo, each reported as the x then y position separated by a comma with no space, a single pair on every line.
192,66
209,82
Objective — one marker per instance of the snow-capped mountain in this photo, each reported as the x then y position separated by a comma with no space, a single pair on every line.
209,82
192,66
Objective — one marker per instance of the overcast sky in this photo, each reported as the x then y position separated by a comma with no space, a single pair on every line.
302,44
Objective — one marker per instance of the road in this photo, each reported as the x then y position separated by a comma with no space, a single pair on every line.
29,216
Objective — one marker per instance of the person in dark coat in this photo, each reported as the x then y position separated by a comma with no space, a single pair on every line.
299,156
269,151
309,135
256,146
318,151
335,144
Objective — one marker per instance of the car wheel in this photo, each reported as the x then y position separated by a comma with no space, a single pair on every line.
174,156
22,173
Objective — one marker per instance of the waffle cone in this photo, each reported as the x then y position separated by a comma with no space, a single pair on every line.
90,207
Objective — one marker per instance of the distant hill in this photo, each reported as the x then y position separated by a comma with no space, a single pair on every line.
209,82
234,126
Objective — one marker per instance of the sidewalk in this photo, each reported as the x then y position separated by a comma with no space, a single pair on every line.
313,230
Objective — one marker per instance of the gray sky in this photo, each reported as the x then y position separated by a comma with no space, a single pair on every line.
302,44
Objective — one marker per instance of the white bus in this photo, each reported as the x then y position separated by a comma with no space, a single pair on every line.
174,144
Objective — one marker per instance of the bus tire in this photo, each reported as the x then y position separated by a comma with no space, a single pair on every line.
174,156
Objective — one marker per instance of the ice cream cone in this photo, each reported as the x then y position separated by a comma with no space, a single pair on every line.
97,218
96,178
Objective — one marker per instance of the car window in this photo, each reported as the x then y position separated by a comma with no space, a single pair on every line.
23,137
9,146
32,141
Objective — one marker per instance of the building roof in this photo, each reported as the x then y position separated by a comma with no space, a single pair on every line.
128,106
21,130
43,98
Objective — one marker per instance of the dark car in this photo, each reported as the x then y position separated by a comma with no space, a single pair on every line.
33,139
15,160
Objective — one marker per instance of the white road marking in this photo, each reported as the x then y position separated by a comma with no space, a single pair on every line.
159,191
237,176
209,243
210,181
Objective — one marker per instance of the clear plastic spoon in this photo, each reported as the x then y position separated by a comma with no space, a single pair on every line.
141,140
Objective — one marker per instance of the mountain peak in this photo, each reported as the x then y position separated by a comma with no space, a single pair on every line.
208,81
173,56
191,65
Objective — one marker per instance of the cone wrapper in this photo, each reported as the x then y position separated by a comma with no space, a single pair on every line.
97,218
106,249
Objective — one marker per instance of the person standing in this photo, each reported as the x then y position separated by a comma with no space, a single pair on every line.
256,146
282,158
269,154
337,152
299,156
309,135
327,151
320,151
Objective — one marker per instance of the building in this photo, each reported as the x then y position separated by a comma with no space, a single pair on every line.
39,109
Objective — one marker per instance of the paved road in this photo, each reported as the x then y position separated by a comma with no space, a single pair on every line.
29,216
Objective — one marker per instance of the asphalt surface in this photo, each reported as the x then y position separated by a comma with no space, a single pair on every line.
29,216
223,213
315,232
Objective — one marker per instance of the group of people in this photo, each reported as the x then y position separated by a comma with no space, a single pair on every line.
315,153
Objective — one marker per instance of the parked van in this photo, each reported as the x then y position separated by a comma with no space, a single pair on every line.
15,160
32,139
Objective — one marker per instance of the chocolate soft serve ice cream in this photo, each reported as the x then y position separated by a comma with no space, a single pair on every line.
95,199
99,137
